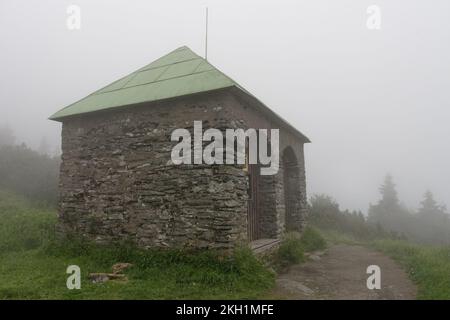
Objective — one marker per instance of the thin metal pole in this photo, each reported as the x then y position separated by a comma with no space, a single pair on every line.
206,36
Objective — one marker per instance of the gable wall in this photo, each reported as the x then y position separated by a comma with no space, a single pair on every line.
117,181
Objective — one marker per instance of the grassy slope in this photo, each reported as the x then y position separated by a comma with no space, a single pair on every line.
428,267
35,275
33,268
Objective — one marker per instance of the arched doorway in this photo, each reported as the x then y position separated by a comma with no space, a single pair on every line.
291,188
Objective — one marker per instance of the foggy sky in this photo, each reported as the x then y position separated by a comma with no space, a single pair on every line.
371,101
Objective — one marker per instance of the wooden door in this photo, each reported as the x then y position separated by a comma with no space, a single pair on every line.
253,203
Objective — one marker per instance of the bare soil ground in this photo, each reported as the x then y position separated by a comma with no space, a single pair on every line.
340,273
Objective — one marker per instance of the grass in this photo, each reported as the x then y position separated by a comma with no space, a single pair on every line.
35,274
428,267
23,226
34,267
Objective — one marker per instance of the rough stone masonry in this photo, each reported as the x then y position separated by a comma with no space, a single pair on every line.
117,182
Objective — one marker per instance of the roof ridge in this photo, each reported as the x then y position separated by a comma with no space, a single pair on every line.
169,64
182,48
134,73
156,81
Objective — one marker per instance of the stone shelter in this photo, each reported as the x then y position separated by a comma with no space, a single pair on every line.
117,180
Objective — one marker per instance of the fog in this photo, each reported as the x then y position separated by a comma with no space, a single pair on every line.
371,101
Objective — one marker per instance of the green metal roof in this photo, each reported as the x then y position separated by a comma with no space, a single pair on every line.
180,72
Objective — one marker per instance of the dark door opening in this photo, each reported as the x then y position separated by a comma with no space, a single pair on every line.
253,227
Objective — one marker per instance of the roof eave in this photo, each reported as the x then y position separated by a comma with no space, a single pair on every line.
143,103
272,113
234,88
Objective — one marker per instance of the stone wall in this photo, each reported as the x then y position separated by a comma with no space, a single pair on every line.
117,181
272,188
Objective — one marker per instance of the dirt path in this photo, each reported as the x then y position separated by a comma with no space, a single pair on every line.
340,273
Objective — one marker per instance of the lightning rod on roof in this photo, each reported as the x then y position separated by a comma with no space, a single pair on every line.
206,36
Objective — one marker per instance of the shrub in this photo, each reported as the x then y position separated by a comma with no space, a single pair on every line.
291,250
294,245
312,240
